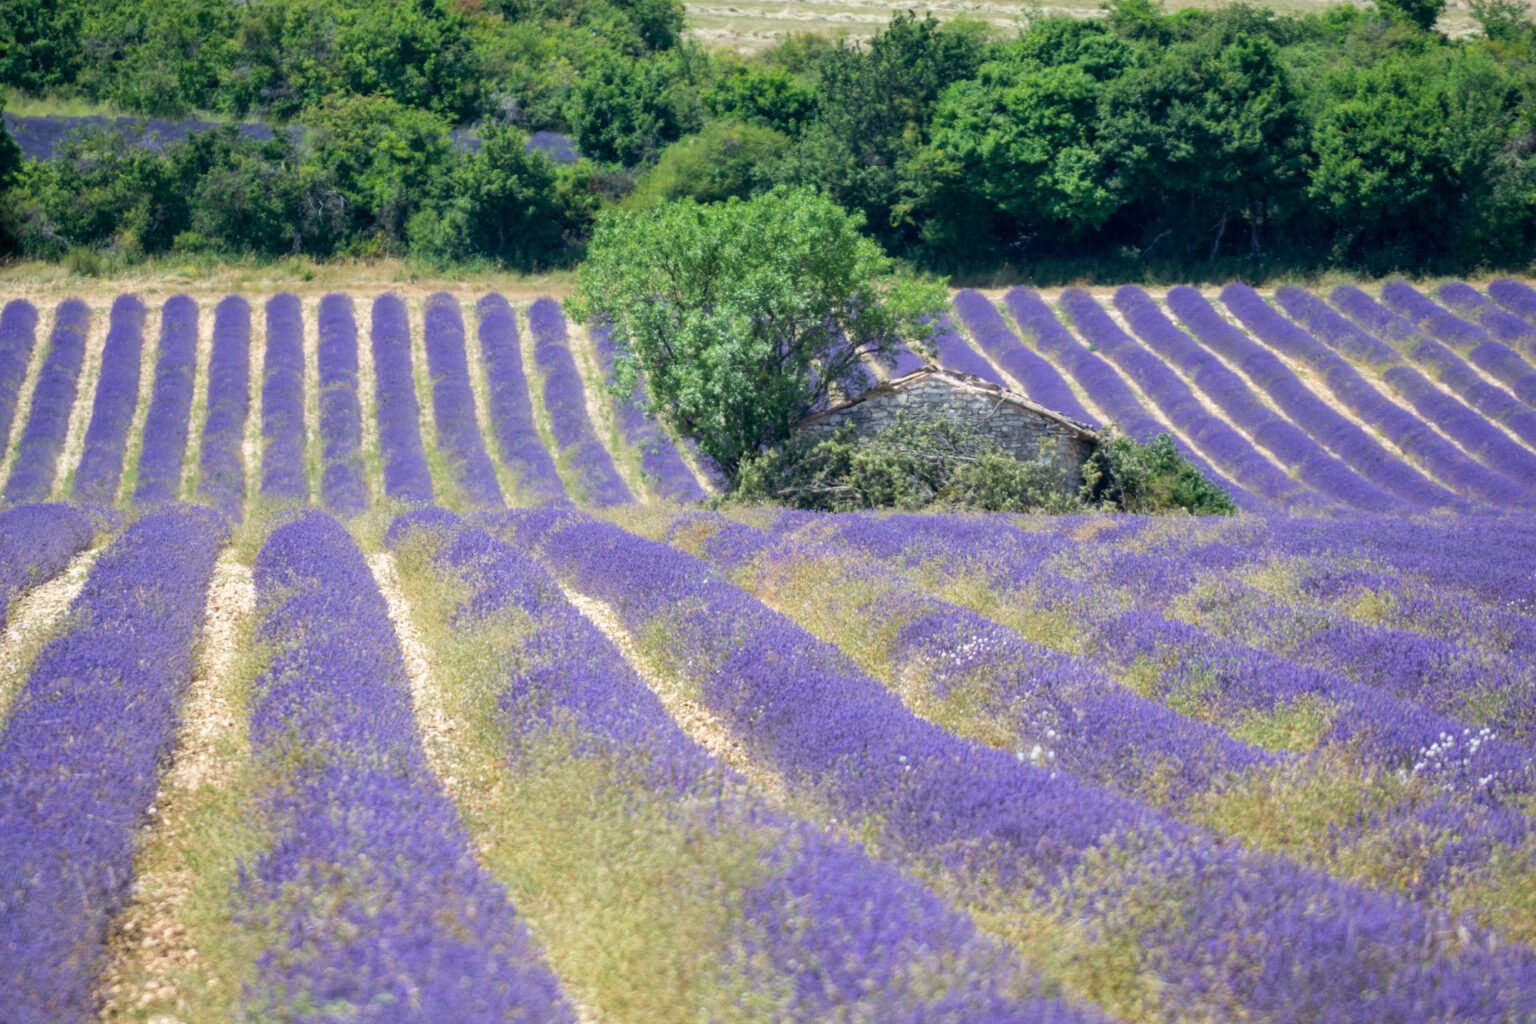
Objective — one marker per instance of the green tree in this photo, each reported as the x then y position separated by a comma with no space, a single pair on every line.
625,110
743,316
505,207
1423,13
726,159
39,43
767,96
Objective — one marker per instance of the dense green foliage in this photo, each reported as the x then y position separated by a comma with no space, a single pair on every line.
1126,475
1140,145
917,463
744,316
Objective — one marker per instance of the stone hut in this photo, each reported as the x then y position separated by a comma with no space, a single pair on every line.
1013,421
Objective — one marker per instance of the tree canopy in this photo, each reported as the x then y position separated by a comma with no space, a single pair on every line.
746,315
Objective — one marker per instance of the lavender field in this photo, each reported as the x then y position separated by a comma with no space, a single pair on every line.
362,659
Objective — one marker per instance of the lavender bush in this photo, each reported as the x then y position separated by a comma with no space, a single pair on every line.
1515,296
412,928
170,405
221,464
18,335
1448,368
1215,439
117,395
1476,435
53,396
1039,378
1415,438
1486,352
1312,464
663,467
844,935
1320,420
342,488
1510,329
955,353
566,399
511,412
406,477
283,475
80,758
453,404
36,543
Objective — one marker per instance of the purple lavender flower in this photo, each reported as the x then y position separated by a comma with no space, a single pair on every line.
413,928
1215,439
1039,378
955,353
1311,463
283,476
1515,296
80,757
18,335
117,395
36,543
406,476
53,396
170,405
1485,351
1325,425
1414,437
342,488
221,465
1477,436
846,930
663,467
511,411
1448,367
565,397
453,404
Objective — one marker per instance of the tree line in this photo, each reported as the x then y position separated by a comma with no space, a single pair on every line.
1138,145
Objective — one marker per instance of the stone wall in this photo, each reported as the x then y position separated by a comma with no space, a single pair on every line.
1014,428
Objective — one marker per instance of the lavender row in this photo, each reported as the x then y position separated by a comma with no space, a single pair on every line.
1214,438
18,336
1510,329
1312,464
117,395
79,759
660,462
1410,434
283,473
1039,379
1063,714
36,543
1061,711
1515,296
453,404
342,488
1105,386
1485,442
511,411
1448,367
221,463
846,929
359,824
565,398
973,812
956,354
53,396
1325,425
1492,356
170,405
406,476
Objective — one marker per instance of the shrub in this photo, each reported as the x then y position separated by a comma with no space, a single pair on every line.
1126,475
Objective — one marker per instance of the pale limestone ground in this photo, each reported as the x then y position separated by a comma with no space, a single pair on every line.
416,316
695,719
480,384
85,401
192,457
148,947
434,722
600,413
251,444
367,398
33,619
133,444
313,445
45,318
